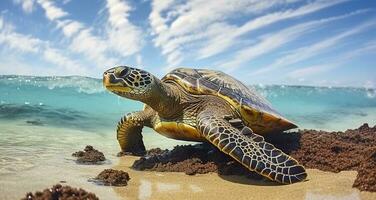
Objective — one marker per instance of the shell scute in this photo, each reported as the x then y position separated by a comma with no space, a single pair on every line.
255,110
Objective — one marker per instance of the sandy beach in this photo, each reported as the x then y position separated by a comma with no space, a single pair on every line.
149,185
144,185
169,185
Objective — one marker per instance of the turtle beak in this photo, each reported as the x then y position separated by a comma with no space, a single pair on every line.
110,80
107,77
114,83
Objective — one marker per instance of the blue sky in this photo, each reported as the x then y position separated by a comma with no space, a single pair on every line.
316,42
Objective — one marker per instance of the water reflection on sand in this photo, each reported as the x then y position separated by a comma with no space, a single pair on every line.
315,196
161,185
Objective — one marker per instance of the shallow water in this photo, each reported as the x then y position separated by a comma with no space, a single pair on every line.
45,119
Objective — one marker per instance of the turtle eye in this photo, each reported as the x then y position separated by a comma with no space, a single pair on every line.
123,72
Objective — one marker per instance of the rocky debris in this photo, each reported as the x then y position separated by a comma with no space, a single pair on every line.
366,178
191,159
111,177
37,122
89,156
334,151
155,151
59,192
151,152
327,151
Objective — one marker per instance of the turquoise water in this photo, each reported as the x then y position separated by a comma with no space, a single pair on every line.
82,103
44,119
75,102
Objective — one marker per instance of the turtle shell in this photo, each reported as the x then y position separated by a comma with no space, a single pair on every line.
254,109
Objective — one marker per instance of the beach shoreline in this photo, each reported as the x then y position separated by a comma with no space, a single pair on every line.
152,185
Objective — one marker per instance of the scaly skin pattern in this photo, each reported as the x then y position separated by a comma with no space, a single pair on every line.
249,149
129,130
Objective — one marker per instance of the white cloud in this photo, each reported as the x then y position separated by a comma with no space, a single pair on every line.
157,21
118,13
92,47
229,36
338,62
16,41
270,42
81,39
175,25
195,15
85,41
27,5
175,51
194,24
52,12
70,27
120,35
56,57
21,44
316,48
125,41
124,37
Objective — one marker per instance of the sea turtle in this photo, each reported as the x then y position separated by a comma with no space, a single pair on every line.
204,105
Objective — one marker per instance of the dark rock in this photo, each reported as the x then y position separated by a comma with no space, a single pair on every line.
37,122
89,156
366,178
111,177
327,151
155,151
191,159
59,192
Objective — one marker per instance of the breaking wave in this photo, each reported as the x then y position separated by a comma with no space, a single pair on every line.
79,83
90,85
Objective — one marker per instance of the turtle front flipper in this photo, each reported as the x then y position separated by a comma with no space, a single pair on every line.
250,150
129,132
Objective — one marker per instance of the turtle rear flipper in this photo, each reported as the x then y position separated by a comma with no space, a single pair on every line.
250,150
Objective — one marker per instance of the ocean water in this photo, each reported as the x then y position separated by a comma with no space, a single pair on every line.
45,119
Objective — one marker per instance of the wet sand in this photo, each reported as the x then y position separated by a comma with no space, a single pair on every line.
173,185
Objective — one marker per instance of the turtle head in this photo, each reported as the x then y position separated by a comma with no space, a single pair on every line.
128,82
